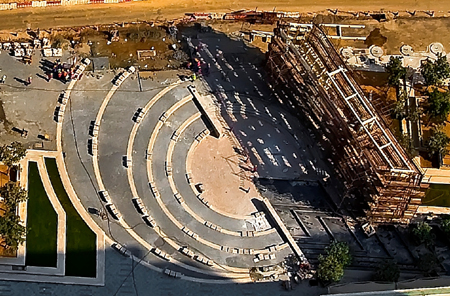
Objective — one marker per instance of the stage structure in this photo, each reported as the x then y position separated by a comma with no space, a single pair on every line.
310,77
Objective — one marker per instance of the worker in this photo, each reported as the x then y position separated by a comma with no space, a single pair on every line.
29,80
194,77
3,78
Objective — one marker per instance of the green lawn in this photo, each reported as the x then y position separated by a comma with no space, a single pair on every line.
437,195
81,254
42,223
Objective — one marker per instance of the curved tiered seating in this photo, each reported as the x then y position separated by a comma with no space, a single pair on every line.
159,197
158,231
203,234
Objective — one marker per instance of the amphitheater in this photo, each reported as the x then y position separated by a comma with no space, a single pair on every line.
172,187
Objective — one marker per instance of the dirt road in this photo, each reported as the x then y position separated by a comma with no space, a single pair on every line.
67,16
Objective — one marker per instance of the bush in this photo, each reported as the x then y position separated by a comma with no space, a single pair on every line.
331,266
387,271
428,263
422,234
445,226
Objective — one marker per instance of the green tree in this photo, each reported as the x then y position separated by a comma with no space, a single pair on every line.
331,266
13,195
438,142
12,154
414,115
387,271
438,106
435,72
12,232
399,111
422,234
442,67
445,226
396,71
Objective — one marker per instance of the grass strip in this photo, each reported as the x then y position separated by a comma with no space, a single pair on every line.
81,248
437,195
42,223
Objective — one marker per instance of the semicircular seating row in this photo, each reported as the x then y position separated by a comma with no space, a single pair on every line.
140,205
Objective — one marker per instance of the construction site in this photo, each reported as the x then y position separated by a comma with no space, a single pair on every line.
221,148
317,85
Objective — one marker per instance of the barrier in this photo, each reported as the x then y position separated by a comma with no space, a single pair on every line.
8,6
24,4
38,3
53,3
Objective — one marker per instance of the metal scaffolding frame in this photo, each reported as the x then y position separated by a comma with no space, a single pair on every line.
315,82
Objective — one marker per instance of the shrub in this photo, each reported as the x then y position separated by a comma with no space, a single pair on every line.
331,266
422,234
387,271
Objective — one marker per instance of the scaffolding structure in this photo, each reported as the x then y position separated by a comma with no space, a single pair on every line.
312,79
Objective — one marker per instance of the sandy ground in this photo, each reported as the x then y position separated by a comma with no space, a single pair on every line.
220,177
80,15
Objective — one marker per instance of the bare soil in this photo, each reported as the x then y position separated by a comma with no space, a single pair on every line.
80,15
216,166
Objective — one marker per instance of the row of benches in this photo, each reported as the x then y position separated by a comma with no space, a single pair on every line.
125,252
119,79
186,251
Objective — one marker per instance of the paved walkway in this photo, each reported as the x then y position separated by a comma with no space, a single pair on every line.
436,176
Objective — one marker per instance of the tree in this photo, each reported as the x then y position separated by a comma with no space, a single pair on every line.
12,232
387,271
422,234
438,105
442,67
445,226
399,111
435,72
438,142
331,266
396,71
13,195
12,154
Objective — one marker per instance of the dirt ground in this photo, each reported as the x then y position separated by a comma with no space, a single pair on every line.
418,32
220,177
133,38
80,15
